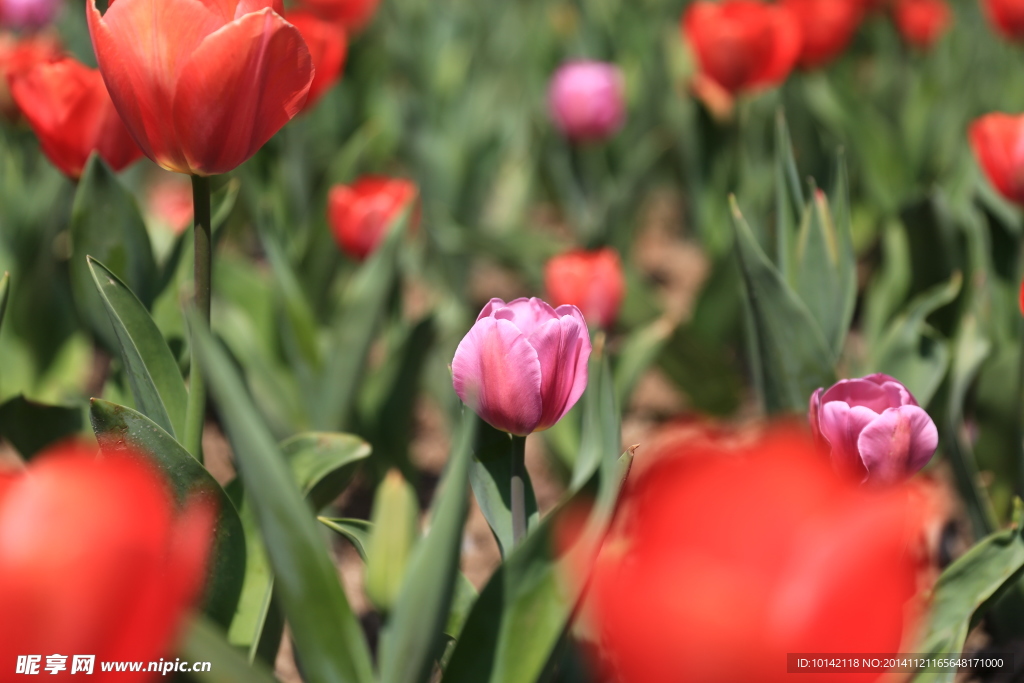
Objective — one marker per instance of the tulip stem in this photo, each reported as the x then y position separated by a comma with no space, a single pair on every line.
518,489
196,412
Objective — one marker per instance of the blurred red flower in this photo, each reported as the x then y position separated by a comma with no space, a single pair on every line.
201,86
1006,17
723,560
360,214
827,27
95,561
922,22
68,107
18,56
998,144
590,280
354,15
328,47
169,201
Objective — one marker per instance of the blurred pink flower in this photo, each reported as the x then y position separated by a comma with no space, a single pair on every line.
586,100
32,14
523,364
875,429
170,201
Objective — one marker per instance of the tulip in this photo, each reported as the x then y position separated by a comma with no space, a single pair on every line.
169,202
360,214
827,27
998,143
590,280
29,14
328,47
95,561
874,428
725,560
354,15
523,364
741,45
1006,17
18,56
201,85
586,100
922,22
68,107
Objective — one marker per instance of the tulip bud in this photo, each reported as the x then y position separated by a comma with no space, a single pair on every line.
523,364
592,281
586,100
361,214
998,144
29,14
921,22
827,27
874,428
328,47
395,520
1006,17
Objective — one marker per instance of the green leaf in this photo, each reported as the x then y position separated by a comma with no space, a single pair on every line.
258,622
357,531
300,332
600,439
396,521
119,428
152,369
889,286
5,291
789,195
30,426
323,463
965,588
790,354
639,352
416,627
105,224
328,638
205,642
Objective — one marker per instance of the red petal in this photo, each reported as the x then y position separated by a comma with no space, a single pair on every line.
328,47
998,143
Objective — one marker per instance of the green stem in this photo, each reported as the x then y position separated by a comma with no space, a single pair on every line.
518,489
196,413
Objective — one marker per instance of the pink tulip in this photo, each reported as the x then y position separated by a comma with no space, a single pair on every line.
523,364
29,14
587,101
874,427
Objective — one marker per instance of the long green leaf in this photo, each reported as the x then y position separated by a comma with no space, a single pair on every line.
30,426
323,463
204,642
357,531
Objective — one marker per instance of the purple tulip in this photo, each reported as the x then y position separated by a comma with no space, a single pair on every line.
586,100
874,427
28,14
523,364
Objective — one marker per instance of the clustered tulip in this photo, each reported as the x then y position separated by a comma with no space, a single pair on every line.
29,14
94,560
353,15
725,560
18,55
1007,17
827,26
68,107
874,428
201,86
998,144
921,22
360,214
328,47
590,280
523,364
586,100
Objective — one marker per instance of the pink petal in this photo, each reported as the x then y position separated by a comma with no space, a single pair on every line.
813,408
841,426
858,392
897,444
240,86
489,309
563,347
527,314
497,373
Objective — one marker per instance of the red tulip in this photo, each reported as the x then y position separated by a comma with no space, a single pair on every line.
724,560
590,280
998,143
328,47
354,15
827,26
94,561
169,202
201,85
361,213
922,22
1007,17
741,44
68,107
18,56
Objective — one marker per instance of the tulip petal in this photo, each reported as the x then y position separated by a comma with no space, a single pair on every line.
859,392
841,425
813,409
497,373
239,87
897,444
563,347
527,314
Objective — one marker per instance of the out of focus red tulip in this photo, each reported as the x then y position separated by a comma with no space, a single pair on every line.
1006,17
328,47
998,144
590,280
94,560
921,22
359,214
201,86
354,15
68,107
18,55
724,560
169,201
827,27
